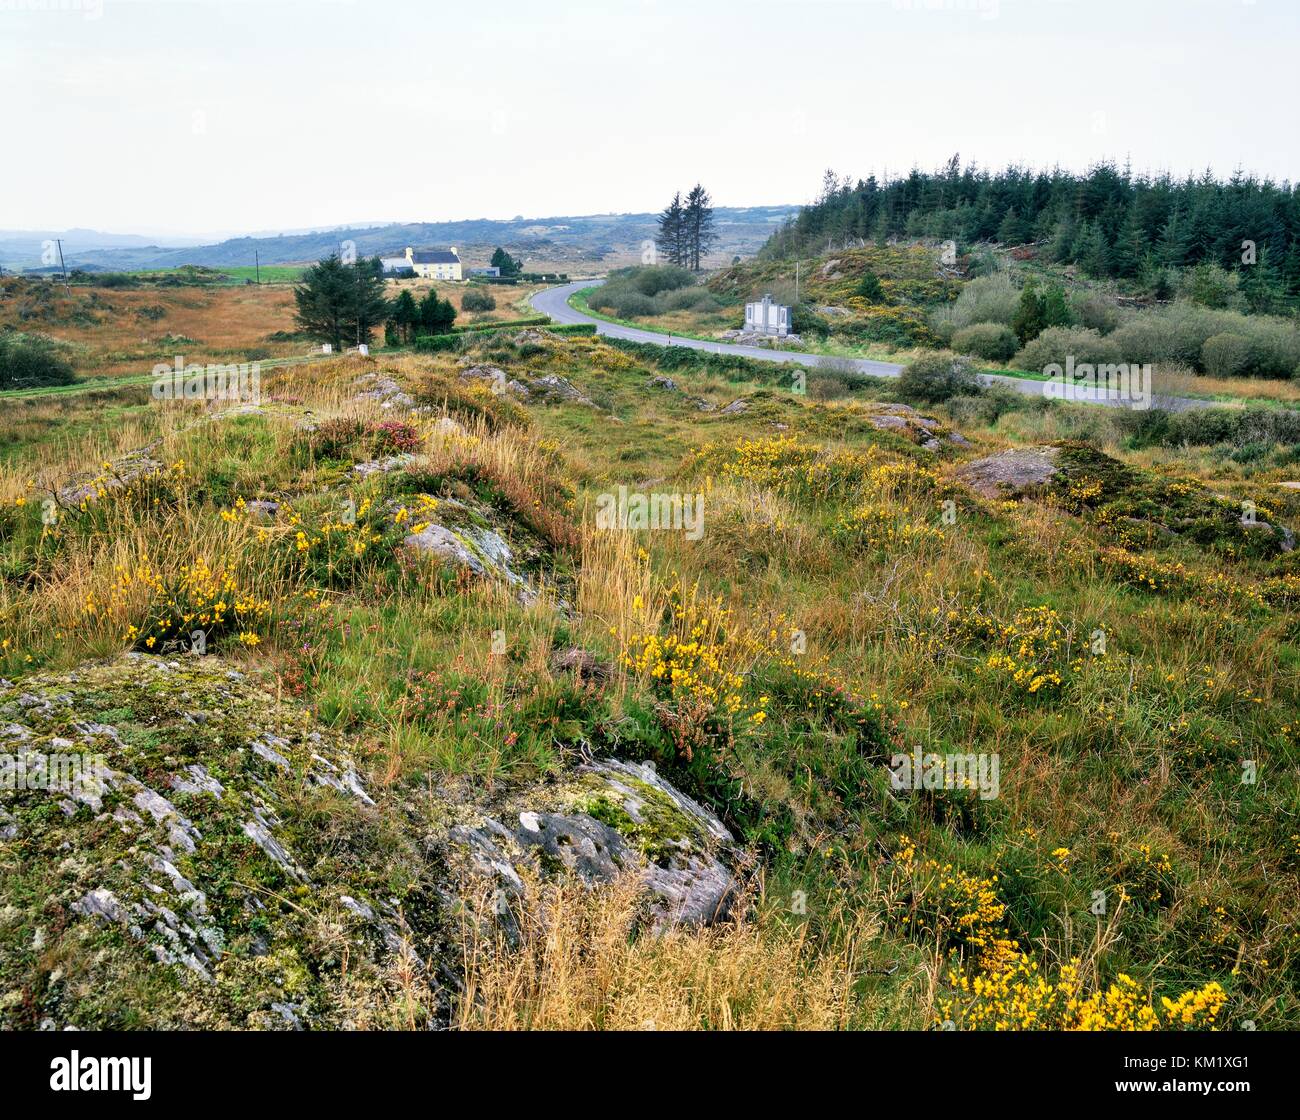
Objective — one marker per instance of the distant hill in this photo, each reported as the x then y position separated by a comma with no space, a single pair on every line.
21,248
590,238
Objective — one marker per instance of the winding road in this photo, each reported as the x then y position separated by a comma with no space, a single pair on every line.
555,303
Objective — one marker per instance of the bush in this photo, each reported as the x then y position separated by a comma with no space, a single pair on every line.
477,300
933,378
1210,285
1095,311
1225,354
989,299
688,299
993,342
1056,344
29,360
633,304
985,409
1178,334
650,281
438,343
632,293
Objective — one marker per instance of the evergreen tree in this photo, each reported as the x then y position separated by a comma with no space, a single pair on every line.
1262,285
1053,309
509,266
700,234
370,306
1014,230
1174,246
1061,247
1092,252
1187,222
869,288
437,316
1130,246
672,231
405,316
1028,321
341,303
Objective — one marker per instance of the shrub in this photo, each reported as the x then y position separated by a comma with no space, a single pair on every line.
477,300
1210,285
29,360
1056,344
633,304
1178,334
993,342
689,299
1095,311
988,299
1225,354
933,378
986,408
652,280
437,343
395,437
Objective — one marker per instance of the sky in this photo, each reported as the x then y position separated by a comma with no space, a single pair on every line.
207,117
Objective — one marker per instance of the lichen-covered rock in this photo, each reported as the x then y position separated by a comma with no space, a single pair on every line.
610,818
1011,474
222,862
553,386
188,884
115,476
383,389
471,537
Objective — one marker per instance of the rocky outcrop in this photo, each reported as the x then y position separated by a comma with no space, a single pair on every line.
382,388
549,387
1011,474
609,819
924,431
220,861
471,537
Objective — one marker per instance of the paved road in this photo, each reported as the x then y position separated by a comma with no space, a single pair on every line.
555,303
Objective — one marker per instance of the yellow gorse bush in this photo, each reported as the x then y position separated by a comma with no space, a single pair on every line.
1019,997
701,658
1000,987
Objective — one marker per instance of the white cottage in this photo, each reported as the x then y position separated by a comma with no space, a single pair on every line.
432,264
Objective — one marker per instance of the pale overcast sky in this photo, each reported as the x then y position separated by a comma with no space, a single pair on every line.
199,116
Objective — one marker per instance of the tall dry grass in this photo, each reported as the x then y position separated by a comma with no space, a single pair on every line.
580,964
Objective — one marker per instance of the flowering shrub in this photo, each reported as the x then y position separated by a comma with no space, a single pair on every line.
698,668
1019,997
954,909
396,436
1000,987
871,527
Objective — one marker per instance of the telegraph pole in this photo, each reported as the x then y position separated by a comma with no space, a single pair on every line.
62,267
257,267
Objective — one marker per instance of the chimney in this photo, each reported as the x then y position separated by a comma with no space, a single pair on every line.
453,250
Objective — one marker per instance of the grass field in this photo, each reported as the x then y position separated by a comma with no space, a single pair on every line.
1118,641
